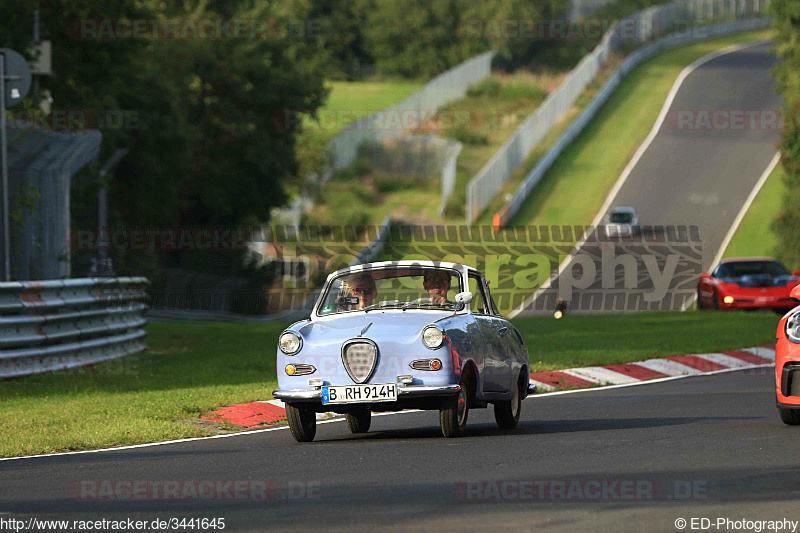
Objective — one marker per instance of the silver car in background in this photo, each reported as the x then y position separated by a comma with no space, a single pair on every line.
621,222
402,335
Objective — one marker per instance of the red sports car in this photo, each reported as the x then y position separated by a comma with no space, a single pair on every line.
787,365
751,283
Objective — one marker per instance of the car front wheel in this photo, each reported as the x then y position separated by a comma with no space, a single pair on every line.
790,417
506,413
359,421
302,423
454,412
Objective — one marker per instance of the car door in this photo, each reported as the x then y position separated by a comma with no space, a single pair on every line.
509,348
492,329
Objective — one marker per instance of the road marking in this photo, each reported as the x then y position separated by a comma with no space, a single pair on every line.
742,212
632,163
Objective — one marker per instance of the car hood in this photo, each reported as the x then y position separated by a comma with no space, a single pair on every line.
395,326
759,281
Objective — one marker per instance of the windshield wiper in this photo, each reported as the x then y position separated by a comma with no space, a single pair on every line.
382,305
428,304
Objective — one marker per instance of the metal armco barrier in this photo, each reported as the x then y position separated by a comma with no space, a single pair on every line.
60,324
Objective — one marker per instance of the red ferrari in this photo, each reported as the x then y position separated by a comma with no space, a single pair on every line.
751,283
787,365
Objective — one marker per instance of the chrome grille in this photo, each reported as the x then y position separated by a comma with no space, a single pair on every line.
303,369
359,358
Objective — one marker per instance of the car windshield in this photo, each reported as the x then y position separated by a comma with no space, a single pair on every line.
621,218
751,268
401,288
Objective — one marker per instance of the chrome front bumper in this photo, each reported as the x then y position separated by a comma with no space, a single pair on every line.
409,391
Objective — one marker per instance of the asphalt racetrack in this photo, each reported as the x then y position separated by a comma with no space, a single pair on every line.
716,140
619,459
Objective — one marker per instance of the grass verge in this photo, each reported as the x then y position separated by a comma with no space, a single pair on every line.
188,369
192,368
580,341
754,236
349,101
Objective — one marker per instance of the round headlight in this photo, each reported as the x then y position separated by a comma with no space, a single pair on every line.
289,343
793,327
432,337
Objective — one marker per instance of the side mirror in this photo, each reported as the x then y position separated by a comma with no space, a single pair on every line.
795,293
462,300
464,297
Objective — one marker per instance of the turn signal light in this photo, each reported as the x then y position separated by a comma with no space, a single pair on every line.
728,299
426,364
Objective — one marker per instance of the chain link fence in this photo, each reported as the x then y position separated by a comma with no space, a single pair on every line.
638,28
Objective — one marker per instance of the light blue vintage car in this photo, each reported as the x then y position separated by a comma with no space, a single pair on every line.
402,335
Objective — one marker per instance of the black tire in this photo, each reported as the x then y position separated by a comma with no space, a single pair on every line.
455,411
358,421
302,423
506,413
714,301
790,417
700,305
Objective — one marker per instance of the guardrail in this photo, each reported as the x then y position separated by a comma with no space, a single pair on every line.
640,27
60,324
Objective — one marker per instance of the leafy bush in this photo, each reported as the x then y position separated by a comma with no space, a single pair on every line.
468,136
490,86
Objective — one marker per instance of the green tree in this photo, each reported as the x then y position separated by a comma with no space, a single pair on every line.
787,225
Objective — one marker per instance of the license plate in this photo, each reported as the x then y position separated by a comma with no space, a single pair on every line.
359,393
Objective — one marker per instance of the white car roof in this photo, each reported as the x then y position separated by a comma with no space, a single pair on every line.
404,264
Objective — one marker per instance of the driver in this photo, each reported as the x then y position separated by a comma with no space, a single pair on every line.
362,286
437,283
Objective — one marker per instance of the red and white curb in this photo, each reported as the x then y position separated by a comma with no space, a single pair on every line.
676,365
254,414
